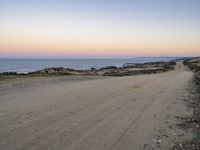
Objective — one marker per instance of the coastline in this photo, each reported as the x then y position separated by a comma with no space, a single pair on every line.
26,65
125,70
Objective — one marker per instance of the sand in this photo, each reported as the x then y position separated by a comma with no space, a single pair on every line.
94,113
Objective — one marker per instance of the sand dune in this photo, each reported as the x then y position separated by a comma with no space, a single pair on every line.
94,113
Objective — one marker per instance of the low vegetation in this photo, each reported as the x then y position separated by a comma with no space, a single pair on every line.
126,70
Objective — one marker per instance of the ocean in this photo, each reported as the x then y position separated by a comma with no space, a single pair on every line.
34,64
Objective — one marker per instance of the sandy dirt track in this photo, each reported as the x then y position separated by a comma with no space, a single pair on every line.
87,113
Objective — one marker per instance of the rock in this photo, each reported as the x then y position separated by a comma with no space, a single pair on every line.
157,141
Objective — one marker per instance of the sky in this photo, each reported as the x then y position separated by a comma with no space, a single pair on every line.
99,28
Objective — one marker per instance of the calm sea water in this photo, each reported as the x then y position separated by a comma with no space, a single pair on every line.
29,65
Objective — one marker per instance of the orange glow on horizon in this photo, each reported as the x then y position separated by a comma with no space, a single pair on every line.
32,46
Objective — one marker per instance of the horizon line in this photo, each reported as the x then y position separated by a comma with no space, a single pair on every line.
131,57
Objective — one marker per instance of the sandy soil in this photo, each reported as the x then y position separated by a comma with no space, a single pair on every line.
88,113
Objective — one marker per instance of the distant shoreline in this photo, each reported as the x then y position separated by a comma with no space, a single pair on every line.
124,70
25,65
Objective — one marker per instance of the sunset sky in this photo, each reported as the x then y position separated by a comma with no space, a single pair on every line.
99,28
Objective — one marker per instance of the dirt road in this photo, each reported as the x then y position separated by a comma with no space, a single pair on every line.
111,113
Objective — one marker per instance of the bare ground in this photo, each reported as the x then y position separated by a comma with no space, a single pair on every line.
95,113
